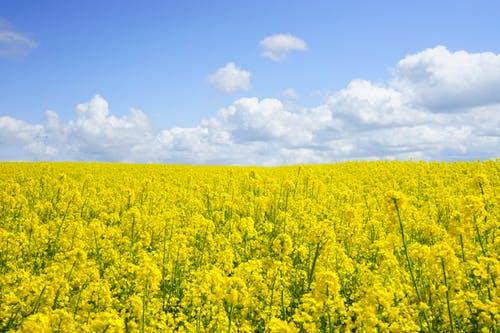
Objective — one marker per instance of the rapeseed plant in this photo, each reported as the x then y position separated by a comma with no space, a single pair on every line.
360,246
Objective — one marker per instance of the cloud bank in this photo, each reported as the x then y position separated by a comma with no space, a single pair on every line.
438,105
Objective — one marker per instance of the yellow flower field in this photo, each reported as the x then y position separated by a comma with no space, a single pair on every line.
360,246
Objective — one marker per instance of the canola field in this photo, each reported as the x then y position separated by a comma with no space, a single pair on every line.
349,247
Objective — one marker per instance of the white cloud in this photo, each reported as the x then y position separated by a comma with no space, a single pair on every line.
446,81
363,103
93,135
14,43
277,47
486,120
362,121
231,78
14,130
96,134
251,119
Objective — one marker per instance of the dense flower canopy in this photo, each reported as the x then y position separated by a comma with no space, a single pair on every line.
368,246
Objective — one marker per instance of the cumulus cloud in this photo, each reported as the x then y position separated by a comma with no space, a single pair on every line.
14,43
231,78
277,47
97,134
254,120
363,103
94,134
16,132
396,120
446,81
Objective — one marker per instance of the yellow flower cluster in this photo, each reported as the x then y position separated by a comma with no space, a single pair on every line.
358,246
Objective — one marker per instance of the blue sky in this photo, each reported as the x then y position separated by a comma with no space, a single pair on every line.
158,56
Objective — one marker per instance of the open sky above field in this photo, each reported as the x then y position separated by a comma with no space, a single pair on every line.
249,82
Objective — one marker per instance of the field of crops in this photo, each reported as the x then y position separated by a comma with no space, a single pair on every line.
366,247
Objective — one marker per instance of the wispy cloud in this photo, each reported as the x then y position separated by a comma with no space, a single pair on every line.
290,94
14,43
277,47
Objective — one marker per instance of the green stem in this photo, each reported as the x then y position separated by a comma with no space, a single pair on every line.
313,266
462,247
230,319
144,307
447,296
410,267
